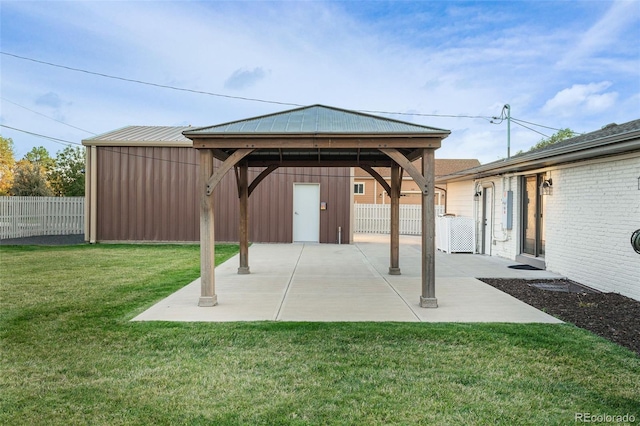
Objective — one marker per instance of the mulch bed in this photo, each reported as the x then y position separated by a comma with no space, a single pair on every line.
610,315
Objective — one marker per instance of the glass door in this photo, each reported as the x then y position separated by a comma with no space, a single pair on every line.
533,239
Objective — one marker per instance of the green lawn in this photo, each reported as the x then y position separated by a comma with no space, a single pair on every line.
71,356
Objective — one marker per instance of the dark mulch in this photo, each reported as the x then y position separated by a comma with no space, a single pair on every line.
610,315
45,240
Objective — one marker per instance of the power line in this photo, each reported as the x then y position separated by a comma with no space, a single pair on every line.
111,149
56,140
490,119
202,92
164,86
45,116
540,125
533,130
425,115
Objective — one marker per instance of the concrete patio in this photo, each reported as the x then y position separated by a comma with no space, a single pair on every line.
326,282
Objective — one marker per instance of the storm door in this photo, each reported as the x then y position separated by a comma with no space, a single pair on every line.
533,239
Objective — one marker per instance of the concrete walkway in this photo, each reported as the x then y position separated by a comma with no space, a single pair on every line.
326,282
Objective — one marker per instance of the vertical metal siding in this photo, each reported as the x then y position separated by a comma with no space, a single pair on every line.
152,194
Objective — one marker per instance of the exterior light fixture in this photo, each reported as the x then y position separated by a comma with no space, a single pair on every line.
477,195
546,187
635,241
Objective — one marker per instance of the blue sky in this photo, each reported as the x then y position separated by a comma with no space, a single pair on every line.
559,64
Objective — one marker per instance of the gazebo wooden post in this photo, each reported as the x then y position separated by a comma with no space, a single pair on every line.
428,297
208,295
243,229
396,182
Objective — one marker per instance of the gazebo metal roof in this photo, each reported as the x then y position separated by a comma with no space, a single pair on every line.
317,134
317,119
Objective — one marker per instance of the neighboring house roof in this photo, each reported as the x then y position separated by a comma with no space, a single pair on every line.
142,136
444,166
610,140
318,119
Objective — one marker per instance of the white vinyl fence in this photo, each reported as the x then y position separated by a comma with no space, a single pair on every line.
32,216
376,218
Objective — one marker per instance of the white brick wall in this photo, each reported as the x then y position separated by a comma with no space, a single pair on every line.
589,217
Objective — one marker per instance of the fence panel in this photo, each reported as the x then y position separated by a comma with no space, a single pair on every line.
376,218
32,216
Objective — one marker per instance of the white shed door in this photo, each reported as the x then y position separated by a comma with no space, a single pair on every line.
306,212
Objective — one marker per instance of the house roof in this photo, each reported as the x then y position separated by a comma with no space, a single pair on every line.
142,136
318,119
612,139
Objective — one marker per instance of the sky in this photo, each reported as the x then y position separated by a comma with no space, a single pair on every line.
447,64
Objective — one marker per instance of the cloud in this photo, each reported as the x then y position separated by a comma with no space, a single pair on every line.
366,56
50,99
584,97
243,78
605,34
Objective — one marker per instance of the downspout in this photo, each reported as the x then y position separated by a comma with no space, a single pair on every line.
445,197
93,221
87,192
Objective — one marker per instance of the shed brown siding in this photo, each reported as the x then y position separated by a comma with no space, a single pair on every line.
152,194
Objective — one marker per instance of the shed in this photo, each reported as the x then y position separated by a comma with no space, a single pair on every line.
142,186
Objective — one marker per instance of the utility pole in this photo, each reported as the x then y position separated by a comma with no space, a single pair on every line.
508,108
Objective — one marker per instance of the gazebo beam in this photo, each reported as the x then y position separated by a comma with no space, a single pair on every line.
332,142
428,297
243,228
231,161
396,186
208,295
378,178
417,176
263,174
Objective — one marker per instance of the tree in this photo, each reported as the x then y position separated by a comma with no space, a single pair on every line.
39,155
558,136
30,179
67,176
7,162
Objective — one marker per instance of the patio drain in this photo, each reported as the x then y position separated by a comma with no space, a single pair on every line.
551,287
564,287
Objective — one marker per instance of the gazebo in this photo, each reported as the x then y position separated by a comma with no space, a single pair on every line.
316,136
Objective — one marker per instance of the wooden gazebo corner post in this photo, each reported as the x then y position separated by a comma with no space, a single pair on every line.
396,182
243,228
208,295
428,297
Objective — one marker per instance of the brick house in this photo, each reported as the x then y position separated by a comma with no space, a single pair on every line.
570,208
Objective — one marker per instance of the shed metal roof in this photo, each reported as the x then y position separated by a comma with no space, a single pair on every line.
317,119
142,135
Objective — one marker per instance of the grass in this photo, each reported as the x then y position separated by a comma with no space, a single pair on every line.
71,356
